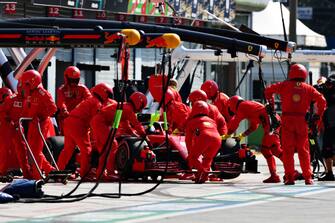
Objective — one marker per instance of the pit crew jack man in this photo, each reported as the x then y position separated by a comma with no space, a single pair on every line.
77,126
256,114
296,97
70,94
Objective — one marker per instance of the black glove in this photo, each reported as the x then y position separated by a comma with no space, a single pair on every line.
269,108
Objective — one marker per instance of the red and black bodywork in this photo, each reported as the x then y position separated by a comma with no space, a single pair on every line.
168,156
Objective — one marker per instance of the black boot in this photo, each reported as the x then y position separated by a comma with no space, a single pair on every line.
327,177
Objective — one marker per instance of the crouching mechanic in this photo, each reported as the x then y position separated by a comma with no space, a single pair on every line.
205,140
214,113
39,106
70,94
256,114
296,97
76,129
129,125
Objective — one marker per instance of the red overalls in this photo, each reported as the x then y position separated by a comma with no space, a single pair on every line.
296,98
220,121
221,102
76,133
14,110
68,97
205,140
39,105
102,123
256,114
177,114
7,152
176,95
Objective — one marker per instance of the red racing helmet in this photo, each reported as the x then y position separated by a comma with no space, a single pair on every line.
139,100
104,91
31,79
197,95
72,75
199,108
297,71
211,88
4,93
233,103
72,72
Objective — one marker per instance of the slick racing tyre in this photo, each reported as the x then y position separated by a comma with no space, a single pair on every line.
122,158
129,149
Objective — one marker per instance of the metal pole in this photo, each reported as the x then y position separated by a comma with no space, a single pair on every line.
293,20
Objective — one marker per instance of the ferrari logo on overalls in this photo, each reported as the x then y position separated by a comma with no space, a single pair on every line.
296,98
250,48
298,84
276,45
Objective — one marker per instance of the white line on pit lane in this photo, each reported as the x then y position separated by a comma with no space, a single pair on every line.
205,203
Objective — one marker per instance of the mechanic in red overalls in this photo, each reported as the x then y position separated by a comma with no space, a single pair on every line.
13,108
205,140
76,128
39,106
129,125
5,133
296,97
214,113
176,113
70,94
256,114
173,84
219,99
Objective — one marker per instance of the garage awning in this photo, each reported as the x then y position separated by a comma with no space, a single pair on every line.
269,23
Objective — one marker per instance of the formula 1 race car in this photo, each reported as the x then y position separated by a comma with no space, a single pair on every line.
160,155
167,156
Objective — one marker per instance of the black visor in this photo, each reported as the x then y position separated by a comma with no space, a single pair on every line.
73,81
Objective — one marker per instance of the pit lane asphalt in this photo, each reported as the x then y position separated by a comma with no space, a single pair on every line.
243,199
